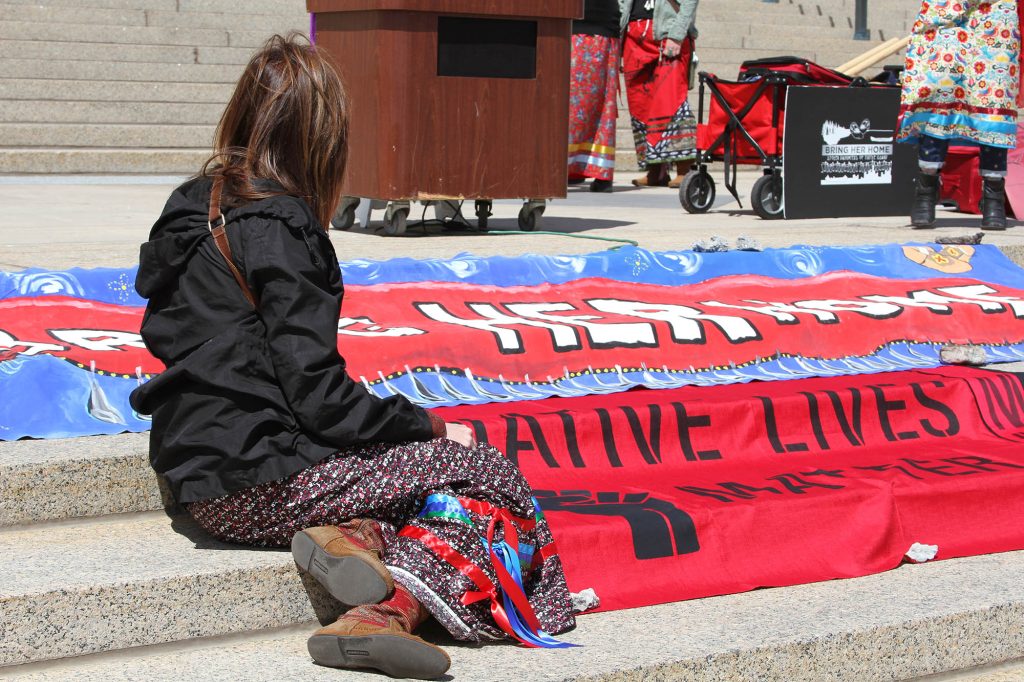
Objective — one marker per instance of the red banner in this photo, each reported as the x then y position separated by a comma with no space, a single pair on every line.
542,331
665,495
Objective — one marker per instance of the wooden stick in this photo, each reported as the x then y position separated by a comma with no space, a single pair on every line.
869,55
860,64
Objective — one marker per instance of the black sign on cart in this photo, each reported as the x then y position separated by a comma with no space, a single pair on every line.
839,154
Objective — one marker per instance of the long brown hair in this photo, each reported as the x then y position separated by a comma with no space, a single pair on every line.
287,121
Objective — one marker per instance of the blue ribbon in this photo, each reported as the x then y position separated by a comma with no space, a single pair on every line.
510,560
439,505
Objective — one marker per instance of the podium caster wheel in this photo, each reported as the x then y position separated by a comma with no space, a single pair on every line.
697,193
766,197
529,217
345,217
395,219
483,212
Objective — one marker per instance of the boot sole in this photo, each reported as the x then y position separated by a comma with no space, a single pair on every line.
394,655
349,579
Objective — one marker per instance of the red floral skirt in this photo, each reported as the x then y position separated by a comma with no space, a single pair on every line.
593,111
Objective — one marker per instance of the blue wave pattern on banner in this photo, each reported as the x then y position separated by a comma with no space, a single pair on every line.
106,285
626,264
55,399
437,388
79,402
674,268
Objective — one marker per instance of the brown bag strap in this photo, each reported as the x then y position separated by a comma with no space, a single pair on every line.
220,237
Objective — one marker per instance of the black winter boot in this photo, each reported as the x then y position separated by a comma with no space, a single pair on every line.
926,195
993,207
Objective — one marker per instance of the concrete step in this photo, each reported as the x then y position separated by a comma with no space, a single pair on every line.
914,621
285,15
77,14
83,587
107,52
257,6
824,42
225,6
106,135
120,71
46,480
97,52
127,91
131,35
252,39
710,15
268,23
106,4
225,55
167,113
740,34
178,162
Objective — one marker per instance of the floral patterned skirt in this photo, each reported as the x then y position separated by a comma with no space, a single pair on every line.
393,484
593,87
962,73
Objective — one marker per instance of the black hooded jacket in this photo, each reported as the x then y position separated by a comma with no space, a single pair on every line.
250,396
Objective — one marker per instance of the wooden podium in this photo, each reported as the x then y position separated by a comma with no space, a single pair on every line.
453,99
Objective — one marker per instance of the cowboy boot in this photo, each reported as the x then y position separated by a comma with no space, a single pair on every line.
926,195
345,559
657,176
380,636
682,168
993,207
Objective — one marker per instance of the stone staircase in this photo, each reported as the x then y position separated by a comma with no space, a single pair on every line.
123,86
137,86
100,583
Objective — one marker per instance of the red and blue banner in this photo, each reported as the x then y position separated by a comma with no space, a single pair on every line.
725,478
482,330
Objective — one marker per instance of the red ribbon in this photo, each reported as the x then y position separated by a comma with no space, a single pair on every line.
488,509
486,588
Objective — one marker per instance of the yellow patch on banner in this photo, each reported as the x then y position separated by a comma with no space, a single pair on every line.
950,260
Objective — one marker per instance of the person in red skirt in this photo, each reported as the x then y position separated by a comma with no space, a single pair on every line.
593,87
656,57
266,440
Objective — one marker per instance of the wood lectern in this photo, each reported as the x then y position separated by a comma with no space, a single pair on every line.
453,98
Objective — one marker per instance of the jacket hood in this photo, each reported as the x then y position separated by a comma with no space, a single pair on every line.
175,236
183,226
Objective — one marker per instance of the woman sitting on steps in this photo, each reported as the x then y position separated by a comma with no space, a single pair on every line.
266,440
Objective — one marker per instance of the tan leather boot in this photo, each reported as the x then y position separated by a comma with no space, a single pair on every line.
682,168
345,559
380,636
657,176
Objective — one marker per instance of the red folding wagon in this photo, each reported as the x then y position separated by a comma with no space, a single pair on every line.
744,126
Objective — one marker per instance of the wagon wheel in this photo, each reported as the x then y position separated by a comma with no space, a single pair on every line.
697,193
766,196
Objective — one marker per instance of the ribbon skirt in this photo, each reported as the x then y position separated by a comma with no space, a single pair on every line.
444,559
664,127
593,86
963,73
